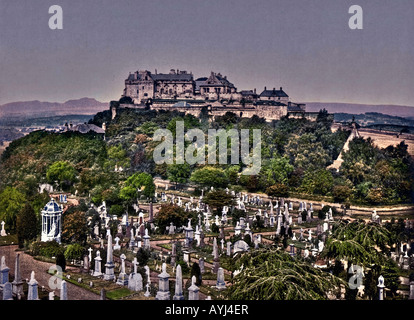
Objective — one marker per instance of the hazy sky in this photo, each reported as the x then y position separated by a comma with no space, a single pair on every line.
304,46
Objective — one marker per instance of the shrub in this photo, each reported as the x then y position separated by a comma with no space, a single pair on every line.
46,249
143,256
74,252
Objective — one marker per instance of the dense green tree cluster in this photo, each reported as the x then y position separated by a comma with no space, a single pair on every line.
378,176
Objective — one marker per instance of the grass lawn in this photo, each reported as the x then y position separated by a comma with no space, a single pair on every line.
8,240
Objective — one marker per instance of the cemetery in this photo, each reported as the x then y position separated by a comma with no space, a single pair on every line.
180,246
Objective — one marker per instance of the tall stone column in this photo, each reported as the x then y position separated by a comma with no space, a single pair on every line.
17,282
151,212
216,263
109,265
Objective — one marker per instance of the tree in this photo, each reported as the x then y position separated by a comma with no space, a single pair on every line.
358,242
26,224
171,213
317,182
11,202
306,152
74,252
278,190
74,227
218,199
63,172
269,274
209,177
277,171
139,183
117,156
341,193
178,173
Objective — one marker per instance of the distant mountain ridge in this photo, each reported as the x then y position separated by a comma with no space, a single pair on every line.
354,108
31,109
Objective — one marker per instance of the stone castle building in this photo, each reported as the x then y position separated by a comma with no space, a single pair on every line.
179,90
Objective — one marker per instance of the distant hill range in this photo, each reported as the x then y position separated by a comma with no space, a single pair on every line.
88,106
35,109
351,108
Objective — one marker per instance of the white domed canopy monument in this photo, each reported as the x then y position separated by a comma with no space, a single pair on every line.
51,221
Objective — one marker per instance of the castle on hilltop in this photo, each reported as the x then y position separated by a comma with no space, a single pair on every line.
178,90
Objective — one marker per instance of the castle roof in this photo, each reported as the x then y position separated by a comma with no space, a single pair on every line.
274,93
172,77
215,79
294,108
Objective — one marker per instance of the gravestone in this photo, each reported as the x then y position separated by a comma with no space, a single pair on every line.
228,252
220,279
193,290
117,246
3,232
215,256
237,229
90,254
63,290
4,272
171,229
146,238
17,282
240,246
98,264
173,253
178,284
201,264
32,293
109,265
292,249
85,267
151,212
163,285
202,244
122,278
381,287
7,291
